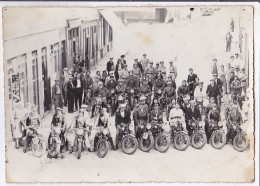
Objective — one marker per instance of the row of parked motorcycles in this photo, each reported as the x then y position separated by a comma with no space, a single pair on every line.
149,135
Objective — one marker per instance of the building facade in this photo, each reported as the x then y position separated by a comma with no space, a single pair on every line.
33,62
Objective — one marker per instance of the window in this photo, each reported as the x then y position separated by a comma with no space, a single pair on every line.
110,33
23,79
44,62
35,78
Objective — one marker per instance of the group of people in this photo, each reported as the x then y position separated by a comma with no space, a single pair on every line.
143,94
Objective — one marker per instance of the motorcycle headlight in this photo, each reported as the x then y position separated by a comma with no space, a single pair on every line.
145,136
113,91
80,132
132,90
149,126
105,131
159,91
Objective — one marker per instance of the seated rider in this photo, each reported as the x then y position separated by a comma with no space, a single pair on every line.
35,123
213,120
156,115
141,115
57,129
177,114
102,121
234,120
192,115
122,117
80,122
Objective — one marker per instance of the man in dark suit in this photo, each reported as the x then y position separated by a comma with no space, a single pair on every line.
119,66
213,90
122,116
191,80
57,94
110,65
71,94
78,91
192,113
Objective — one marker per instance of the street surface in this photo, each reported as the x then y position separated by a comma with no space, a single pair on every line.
195,43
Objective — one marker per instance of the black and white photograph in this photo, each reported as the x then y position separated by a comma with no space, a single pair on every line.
129,94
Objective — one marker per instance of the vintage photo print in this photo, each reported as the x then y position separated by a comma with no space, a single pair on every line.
129,94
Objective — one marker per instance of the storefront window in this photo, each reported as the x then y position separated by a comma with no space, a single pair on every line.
35,78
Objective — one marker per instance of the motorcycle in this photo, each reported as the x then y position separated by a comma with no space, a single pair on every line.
36,143
146,140
218,136
198,137
181,139
162,140
80,132
240,141
112,101
127,140
103,142
132,98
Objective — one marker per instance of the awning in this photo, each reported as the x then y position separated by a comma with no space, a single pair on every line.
114,21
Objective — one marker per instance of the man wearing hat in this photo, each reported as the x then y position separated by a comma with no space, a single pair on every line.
101,91
132,83
183,91
144,62
169,92
119,66
236,91
237,71
58,128
137,72
139,65
110,65
191,80
234,118
229,38
71,94
122,117
124,74
172,70
213,90
213,119
141,115
243,79
156,69
78,91
214,67
192,113
149,71
64,81
175,113
222,75
145,89
172,80
87,86
121,88
199,94
57,94
219,83
163,69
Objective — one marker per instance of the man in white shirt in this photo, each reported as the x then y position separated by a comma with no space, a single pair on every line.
177,114
199,93
144,62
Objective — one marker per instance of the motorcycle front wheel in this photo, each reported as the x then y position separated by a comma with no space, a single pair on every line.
52,150
240,143
79,150
181,141
102,148
129,144
198,139
38,147
218,139
146,144
162,142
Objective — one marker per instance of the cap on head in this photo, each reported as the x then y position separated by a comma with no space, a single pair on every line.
111,58
58,108
135,59
142,98
144,54
161,62
100,83
151,62
122,56
243,68
169,83
190,69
